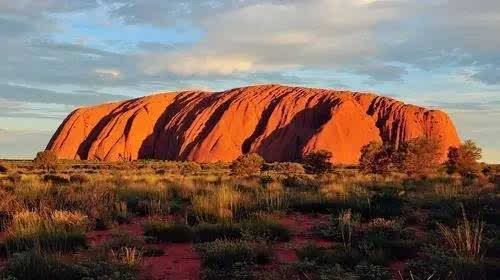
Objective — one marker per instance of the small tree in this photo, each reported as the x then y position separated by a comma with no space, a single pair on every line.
376,158
46,160
464,159
318,162
420,156
247,164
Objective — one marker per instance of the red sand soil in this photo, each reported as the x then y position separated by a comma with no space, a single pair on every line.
180,261
277,122
301,226
397,267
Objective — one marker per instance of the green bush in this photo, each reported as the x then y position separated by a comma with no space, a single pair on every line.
377,158
165,232
420,156
464,159
318,162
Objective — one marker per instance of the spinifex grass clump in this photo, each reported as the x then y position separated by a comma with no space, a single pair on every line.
59,231
230,204
347,222
466,239
218,205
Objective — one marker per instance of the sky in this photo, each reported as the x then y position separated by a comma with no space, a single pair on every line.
57,55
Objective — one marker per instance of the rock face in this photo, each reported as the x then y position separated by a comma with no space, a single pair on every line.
278,122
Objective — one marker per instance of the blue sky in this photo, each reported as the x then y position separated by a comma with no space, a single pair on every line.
62,54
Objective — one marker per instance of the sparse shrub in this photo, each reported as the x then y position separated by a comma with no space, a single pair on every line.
420,156
318,162
247,164
165,232
46,160
377,158
464,159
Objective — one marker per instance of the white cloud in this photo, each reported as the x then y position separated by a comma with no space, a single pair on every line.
108,73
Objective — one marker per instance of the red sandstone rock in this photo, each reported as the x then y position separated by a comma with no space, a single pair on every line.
278,122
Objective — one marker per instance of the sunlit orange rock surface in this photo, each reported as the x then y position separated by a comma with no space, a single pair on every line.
278,122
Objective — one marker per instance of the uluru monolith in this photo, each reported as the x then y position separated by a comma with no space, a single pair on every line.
280,123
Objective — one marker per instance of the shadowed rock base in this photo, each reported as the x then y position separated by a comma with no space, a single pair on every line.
278,122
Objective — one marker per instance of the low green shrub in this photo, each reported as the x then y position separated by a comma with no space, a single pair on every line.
314,203
385,204
316,254
41,266
211,232
226,254
267,229
165,232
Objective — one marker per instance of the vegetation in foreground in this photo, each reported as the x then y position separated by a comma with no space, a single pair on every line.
400,215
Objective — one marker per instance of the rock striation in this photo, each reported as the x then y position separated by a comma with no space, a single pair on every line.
280,123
